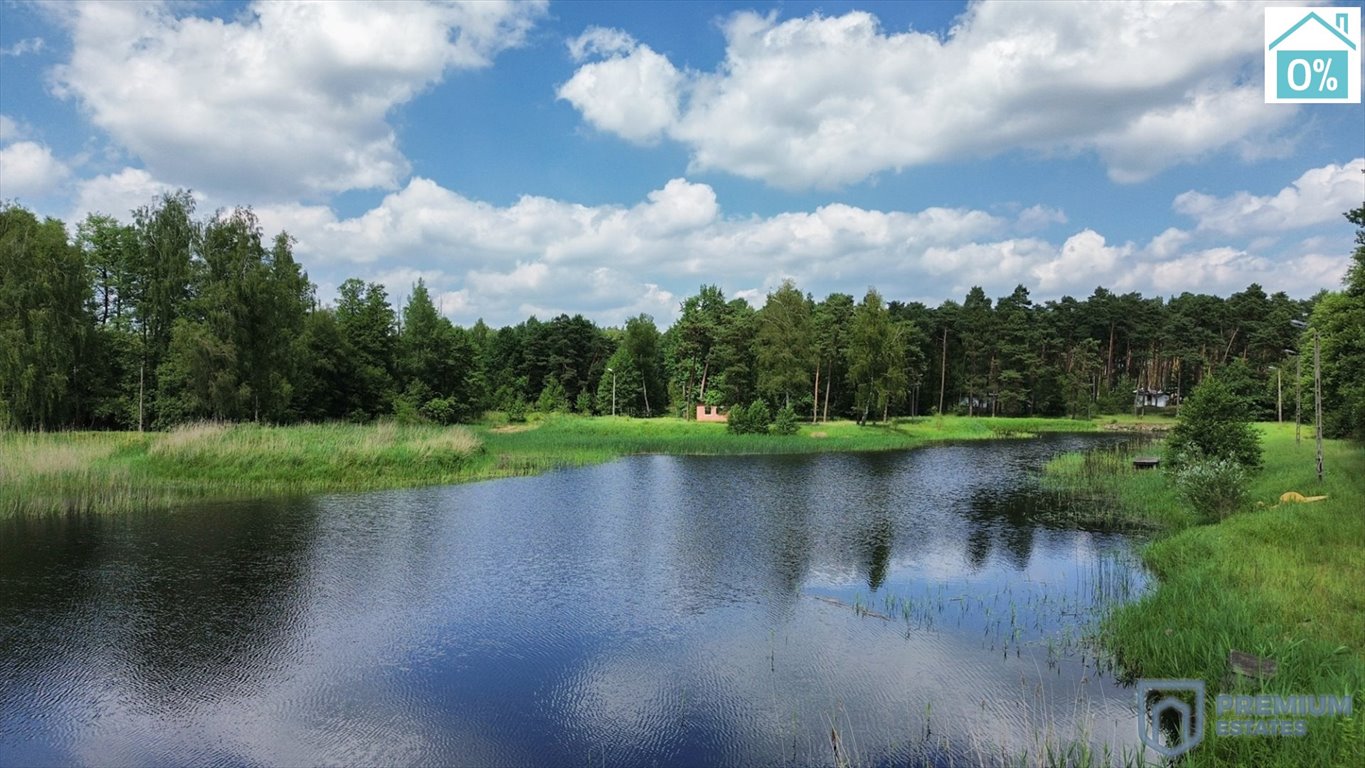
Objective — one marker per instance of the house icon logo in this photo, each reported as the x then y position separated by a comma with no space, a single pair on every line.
1170,715
1312,55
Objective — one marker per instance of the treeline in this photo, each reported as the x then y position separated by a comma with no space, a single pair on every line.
172,318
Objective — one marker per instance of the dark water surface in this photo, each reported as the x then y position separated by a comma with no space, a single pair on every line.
656,610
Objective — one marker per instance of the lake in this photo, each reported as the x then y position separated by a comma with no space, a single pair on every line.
915,607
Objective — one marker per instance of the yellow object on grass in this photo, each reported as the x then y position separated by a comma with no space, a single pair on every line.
1294,497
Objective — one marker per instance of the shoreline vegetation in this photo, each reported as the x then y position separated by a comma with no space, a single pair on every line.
43,473
1279,580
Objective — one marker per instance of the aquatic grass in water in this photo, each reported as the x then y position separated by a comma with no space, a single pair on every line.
1020,620
1105,489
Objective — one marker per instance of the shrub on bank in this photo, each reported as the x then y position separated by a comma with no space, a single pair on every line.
516,410
1214,424
785,422
1215,488
751,419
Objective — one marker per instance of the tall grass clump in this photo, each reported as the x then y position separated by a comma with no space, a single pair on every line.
45,473
116,472
350,455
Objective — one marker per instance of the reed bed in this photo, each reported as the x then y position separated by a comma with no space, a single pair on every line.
1103,488
118,472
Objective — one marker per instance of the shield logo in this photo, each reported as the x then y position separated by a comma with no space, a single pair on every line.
1170,715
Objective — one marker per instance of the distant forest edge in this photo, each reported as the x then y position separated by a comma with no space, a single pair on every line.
173,319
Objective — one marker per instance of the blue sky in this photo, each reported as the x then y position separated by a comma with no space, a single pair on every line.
609,158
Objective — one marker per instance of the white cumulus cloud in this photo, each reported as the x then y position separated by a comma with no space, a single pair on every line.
1320,195
28,169
633,93
824,101
286,99
118,194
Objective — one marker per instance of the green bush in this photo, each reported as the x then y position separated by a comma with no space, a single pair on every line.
440,410
553,398
752,419
1214,424
785,422
516,410
1215,488
405,411
584,403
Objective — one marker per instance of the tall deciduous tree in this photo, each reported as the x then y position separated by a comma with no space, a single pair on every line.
160,281
831,320
1340,320
876,357
230,353
109,387
44,287
692,347
786,345
368,326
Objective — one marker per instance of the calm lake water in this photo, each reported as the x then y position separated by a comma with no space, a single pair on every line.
656,610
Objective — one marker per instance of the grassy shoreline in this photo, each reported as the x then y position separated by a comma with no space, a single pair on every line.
46,473
1281,581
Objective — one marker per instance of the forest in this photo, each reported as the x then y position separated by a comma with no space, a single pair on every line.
173,318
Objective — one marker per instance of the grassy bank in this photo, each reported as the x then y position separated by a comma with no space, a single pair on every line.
112,472
1281,581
